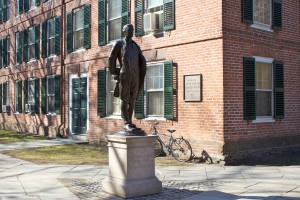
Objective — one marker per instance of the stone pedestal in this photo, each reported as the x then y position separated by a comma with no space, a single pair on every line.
131,166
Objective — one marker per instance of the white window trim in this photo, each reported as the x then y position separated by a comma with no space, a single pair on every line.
47,94
107,24
152,117
265,119
74,16
52,20
109,115
258,25
31,58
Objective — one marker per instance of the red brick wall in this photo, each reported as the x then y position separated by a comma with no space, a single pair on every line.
240,40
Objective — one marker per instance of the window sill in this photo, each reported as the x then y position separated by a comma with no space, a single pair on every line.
51,114
263,120
158,118
16,113
262,27
113,117
79,50
31,61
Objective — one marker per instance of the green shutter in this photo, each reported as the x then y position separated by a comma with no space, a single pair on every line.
19,54
277,14
37,2
44,39
139,106
1,53
19,96
4,90
44,95
249,89
57,35
37,41
26,5
1,95
168,90
57,94
25,94
4,16
278,90
124,16
138,17
45,1
69,32
169,15
101,22
8,51
101,107
87,26
1,11
20,7
4,52
247,11
36,95
25,45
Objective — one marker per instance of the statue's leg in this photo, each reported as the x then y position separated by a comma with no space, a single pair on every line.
124,112
133,94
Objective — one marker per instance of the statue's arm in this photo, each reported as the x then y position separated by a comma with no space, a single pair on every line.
113,58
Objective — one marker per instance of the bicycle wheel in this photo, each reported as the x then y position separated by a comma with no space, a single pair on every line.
158,148
181,150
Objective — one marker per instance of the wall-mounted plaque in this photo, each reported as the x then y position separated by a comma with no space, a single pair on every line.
192,87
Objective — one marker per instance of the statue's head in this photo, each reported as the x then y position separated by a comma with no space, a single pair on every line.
128,31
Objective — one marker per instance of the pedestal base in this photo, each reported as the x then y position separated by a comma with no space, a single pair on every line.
131,166
131,188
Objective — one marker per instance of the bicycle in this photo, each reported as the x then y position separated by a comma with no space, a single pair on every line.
179,148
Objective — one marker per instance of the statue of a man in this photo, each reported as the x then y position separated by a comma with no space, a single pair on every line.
130,76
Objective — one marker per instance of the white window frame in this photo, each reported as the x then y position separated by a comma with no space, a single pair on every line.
262,119
32,4
112,19
17,44
49,37
31,31
31,93
7,94
48,95
146,96
109,100
81,9
258,25
158,9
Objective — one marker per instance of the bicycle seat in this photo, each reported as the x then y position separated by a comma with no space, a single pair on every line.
171,131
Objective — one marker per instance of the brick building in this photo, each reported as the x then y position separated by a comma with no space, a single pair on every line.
54,77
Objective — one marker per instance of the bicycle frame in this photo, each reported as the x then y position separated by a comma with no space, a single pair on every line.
171,140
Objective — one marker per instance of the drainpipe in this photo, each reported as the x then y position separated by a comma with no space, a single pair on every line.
62,63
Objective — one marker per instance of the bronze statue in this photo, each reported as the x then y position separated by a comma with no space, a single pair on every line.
130,76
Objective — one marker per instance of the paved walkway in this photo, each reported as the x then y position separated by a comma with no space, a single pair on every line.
22,180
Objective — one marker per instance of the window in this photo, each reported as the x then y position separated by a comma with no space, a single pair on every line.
32,3
4,10
5,52
78,29
114,106
112,16
152,16
51,37
18,99
31,95
51,95
31,92
157,91
78,36
263,89
4,92
31,43
263,14
19,47
114,19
